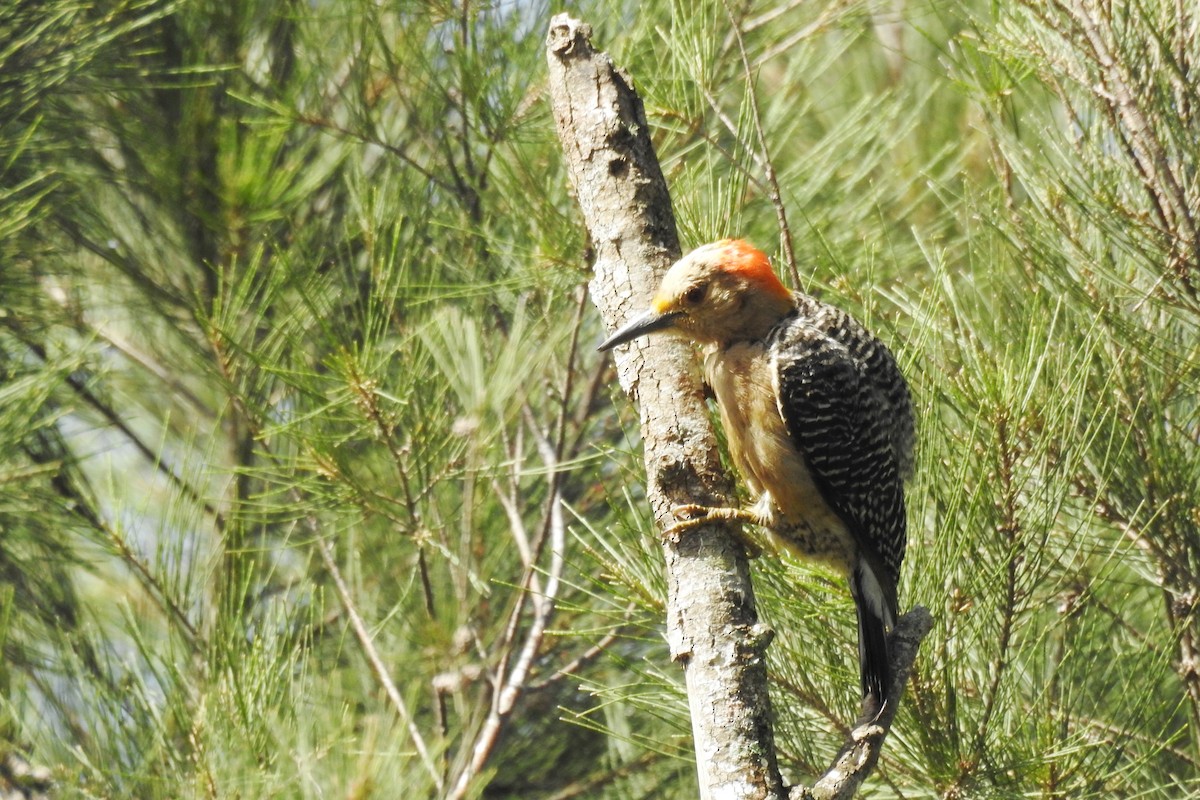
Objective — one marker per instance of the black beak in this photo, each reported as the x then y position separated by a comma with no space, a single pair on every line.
640,325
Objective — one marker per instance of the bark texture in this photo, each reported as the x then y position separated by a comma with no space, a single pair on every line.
712,624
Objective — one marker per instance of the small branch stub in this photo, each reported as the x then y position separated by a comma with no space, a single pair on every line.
859,755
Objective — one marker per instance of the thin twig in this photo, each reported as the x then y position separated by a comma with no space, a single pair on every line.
775,195
587,787
1010,528
140,359
80,387
754,23
583,659
366,391
368,648
66,485
511,684
516,525
1145,149
812,29
514,684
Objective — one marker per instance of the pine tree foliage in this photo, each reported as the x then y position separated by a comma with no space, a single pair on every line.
312,484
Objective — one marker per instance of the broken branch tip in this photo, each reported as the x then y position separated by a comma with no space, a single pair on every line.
568,35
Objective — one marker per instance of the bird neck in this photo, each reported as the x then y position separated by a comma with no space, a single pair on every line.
759,315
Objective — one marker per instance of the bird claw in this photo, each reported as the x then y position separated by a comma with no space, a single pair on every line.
693,516
689,512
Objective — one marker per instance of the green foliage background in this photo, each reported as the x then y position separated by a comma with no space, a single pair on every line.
312,485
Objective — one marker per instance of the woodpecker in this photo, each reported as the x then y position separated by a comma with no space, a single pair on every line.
819,423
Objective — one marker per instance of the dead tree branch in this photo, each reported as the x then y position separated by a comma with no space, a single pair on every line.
712,624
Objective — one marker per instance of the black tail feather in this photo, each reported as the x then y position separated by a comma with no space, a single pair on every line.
874,665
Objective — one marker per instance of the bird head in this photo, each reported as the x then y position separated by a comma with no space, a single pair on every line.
719,292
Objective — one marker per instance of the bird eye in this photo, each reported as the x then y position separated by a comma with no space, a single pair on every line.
696,294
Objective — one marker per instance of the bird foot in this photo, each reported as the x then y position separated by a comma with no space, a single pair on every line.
693,516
